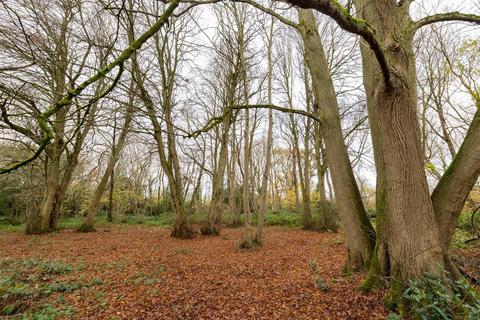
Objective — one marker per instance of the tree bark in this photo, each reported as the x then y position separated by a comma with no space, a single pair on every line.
359,234
408,242
452,190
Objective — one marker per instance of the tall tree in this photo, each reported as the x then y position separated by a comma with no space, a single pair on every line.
408,233
359,234
88,225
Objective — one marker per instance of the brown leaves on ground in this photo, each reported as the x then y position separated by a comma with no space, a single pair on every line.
145,274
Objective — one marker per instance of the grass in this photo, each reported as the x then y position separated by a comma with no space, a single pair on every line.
31,288
272,218
465,230
163,220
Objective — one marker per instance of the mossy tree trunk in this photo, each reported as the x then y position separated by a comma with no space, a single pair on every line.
408,239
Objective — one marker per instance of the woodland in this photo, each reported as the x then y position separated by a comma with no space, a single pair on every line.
240,159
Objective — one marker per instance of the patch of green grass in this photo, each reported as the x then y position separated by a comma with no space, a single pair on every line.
45,312
95,282
100,296
56,267
465,230
272,218
162,220
76,221
8,225
148,279
465,221
25,289
281,218
61,287
9,309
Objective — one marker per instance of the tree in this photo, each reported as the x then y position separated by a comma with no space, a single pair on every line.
269,33
358,231
51,51
406,248
108,174
168,45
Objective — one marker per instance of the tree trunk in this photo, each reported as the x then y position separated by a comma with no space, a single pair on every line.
234,217
216,206
110,197
327,219
112,178
304,185
168,156
408,242
295,179
268,158
88,226
359,234
453,189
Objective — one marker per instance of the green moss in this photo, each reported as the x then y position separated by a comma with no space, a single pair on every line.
373,279
395,300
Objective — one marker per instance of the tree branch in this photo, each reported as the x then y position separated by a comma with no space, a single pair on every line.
213,122
347,22
67,99
278,108
443,17
271,12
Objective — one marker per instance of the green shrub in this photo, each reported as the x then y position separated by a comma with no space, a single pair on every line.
465,221
432,298
61,287
9,309
321,284
281,218
393,316
47,312
56,267
96,282
319,281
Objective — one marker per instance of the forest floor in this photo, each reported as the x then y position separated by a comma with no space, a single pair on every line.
135,272
138,272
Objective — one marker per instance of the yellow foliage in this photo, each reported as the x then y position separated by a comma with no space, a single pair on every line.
290,199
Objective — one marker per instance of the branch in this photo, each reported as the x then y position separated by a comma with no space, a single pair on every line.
67,99
26,132
278,108
443,17
347,22
213,122
271,12
26,161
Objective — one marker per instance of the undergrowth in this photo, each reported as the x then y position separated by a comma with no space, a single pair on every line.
28,286
434,298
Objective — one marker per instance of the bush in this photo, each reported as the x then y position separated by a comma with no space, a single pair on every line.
319,281
465,221
61,287
281,218
432,298
56,267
